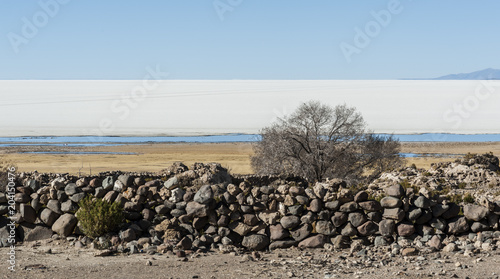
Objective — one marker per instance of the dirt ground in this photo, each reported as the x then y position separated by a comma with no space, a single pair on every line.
155,157
63,262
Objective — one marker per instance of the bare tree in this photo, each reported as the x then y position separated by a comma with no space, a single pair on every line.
318,141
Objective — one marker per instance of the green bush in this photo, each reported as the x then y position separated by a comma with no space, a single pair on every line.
468,198
98,217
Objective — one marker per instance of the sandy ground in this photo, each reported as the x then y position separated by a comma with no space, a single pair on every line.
63,262
155,157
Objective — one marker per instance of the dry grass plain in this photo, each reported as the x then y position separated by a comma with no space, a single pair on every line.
155,157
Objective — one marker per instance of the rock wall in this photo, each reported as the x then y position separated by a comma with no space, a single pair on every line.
204,207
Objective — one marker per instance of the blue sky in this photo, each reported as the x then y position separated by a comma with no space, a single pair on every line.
250,39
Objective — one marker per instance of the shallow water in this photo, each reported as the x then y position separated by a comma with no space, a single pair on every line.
109,141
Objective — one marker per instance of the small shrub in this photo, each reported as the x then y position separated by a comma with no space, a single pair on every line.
427,173
456,198
462,185
98,217
468,198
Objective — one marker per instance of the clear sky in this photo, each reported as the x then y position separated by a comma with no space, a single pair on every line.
247,39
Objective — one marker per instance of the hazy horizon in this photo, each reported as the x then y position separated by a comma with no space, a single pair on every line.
179,107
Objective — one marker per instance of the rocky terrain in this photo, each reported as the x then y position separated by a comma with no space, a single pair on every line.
408,223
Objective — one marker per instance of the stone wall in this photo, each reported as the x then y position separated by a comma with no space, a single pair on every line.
204,207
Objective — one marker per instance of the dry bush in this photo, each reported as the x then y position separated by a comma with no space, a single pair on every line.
318,141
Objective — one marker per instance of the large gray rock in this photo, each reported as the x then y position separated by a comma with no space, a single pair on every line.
171,183
406,229
361,196
349,230
317,241
390,202
108,183
194,209
394,213
204,195
119,186
387,227
452,211
325,228
290,222
240,228
438,223
277,232
70,189
65,225
458,225
349,207
128,235
282,244
414,214
339,218
475,212
58,183
316,205
371,206
357,218
422,202
28,213
255,242
395,191
341,242
48,216
302,232
439,209
68,206
368,228
55,206
38,233
126,180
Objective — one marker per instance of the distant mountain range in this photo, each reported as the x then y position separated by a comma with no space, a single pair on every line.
486,74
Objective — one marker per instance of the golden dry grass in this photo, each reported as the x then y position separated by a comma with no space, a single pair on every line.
155,157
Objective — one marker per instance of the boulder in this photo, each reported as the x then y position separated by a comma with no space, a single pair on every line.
317,241
48,216
475,212
339,218
387,227
405,229
368,228
277,232
422,202
38,233
390,202
255,242
395,191
27,213
394,213
65,225
301,232
357,218
371,206
204,195
290,222
458,225
325,228
194,209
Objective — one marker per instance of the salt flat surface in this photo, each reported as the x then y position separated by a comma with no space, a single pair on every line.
209,107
